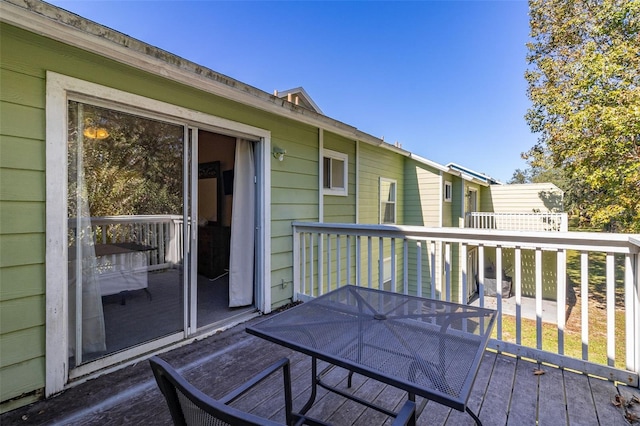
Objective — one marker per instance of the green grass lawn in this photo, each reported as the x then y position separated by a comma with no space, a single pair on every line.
597,314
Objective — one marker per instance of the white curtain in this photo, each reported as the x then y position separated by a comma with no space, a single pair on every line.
85,301
241,258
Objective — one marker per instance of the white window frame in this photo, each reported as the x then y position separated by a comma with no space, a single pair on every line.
58,91
339,156
448,191
382,202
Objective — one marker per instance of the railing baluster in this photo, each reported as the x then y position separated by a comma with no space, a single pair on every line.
369,259
348,247
302,275
611,310
312,291
380,263
499,279
328,262
538,261
338,261
432,270
561,299
518,283
584,296
464,299
320,262
481,274
405,265
393,265
358,260
447,271
418,268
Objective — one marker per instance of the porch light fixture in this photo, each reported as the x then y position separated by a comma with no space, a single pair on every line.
278,153
93,132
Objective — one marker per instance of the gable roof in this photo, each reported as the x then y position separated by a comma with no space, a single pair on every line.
299,96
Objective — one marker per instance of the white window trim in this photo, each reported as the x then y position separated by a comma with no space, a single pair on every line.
335,155
395,202
59,88
449,198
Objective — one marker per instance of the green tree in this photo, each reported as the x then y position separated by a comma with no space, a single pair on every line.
584,84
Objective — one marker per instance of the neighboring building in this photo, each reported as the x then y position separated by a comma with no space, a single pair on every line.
152,198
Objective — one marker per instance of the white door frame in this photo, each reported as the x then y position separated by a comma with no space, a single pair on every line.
58,89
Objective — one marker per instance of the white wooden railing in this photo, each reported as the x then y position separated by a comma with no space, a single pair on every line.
518,221
443,263
163,232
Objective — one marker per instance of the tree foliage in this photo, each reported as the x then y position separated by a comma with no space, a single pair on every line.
584,84
136,170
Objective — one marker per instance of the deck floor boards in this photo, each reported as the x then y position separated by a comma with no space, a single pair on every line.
506,391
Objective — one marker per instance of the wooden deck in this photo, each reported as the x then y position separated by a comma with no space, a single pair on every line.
506,391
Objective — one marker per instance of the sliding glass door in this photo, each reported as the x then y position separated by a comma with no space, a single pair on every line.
127,197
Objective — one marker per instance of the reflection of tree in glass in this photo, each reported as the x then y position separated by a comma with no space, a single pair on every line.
136,170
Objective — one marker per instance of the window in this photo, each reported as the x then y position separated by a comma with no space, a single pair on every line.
387,201
448,191
335,178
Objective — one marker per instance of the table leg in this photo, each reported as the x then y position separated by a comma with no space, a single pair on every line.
412,398
475,418
314,383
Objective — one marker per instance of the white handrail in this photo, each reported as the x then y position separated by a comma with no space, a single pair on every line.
163,232
554,222
434,262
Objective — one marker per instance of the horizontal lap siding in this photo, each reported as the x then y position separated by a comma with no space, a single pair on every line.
421,195
24,61
22,226
527,198
374,164
294,196
340,209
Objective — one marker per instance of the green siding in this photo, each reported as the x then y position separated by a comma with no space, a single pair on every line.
375,164
447,207
421,195
24,60
341,209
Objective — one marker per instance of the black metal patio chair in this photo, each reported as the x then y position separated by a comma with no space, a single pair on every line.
190,406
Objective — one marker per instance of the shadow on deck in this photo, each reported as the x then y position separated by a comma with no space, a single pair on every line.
506,391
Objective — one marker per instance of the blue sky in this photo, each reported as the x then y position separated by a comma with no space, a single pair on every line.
445,79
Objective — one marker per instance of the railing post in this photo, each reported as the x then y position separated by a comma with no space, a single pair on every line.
296,263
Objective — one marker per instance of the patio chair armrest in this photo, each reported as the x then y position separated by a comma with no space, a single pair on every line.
405,414
264,374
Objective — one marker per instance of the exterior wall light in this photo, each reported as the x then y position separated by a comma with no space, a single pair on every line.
278,153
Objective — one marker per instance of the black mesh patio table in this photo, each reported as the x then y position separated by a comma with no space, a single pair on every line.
425,347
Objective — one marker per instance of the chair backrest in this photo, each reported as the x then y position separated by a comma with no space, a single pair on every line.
189,406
